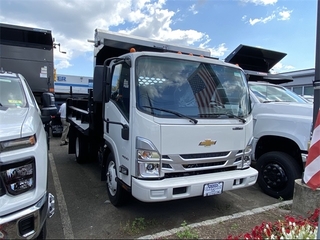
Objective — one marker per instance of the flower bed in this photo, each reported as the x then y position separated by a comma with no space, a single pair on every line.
289,228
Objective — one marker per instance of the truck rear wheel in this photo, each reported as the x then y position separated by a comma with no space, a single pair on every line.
115,192
81,149
277,173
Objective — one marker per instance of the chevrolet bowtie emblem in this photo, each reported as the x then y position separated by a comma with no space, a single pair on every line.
207,143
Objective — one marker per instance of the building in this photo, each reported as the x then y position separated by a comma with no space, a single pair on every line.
76,84
302,81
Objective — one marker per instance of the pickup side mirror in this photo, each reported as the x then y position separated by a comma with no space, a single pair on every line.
45,119
49,108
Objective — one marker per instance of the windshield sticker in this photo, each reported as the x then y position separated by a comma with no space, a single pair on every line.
125,83
14,101
237,74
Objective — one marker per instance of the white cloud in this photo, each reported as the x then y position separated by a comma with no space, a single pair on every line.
155,22
281,14
73,22
62,64
284,14
279,67
262,20
218,51
192,9
261,2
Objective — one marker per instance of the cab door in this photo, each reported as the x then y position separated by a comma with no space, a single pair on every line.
117,118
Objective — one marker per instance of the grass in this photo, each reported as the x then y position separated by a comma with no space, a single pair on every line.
136,226
187,232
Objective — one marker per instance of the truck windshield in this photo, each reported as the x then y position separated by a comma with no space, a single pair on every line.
272,93
11,93
194,89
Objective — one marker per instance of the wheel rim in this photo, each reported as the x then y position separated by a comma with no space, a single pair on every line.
77,147
111,178
274,176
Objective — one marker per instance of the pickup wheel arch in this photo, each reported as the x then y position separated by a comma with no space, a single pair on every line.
277,172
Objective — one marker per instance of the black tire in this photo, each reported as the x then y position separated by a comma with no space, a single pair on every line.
43,233
277,174
116,193
81,149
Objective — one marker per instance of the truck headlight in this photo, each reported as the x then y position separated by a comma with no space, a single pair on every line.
148,159
243,160
18,143
18,177
247,156
148,164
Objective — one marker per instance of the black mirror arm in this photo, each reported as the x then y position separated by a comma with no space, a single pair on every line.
125,128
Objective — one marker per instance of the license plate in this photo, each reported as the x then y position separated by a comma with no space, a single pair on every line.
212,189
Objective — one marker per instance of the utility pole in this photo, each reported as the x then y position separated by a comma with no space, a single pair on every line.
316,83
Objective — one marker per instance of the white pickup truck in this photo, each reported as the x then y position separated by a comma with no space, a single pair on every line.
25,203
282,121
282,128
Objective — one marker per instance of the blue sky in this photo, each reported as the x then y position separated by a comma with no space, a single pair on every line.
287,26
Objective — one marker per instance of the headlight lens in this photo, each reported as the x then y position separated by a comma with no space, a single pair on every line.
148,164
18,143
243,160
247,157
19,177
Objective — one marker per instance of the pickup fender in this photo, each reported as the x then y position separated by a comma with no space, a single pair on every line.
296,128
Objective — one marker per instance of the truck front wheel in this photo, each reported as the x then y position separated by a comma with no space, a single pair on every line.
277,173
81,149
115,192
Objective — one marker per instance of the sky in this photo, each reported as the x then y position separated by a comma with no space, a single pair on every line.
287,26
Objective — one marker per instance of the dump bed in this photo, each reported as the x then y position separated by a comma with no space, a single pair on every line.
257,63
110,44
28,51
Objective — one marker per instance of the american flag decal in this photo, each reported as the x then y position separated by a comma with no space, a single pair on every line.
203,84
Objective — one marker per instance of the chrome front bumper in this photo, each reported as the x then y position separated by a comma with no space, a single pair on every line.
27,223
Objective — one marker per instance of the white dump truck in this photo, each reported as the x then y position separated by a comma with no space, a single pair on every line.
165,122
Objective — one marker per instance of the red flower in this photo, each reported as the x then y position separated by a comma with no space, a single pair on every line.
265,230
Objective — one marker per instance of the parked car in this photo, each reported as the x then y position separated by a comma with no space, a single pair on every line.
282,130
25,203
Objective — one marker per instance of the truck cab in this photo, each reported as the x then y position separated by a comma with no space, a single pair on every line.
25,203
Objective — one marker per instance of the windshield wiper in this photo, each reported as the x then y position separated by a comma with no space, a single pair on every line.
230,115
195,121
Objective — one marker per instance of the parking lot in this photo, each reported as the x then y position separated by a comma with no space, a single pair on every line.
83,210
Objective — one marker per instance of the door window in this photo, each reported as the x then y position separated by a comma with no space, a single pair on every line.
120,88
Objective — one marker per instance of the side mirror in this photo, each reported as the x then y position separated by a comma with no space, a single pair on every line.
49,108
45,119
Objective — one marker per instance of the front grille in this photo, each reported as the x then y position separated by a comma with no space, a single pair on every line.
199,165
192,173
204,155
26,225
